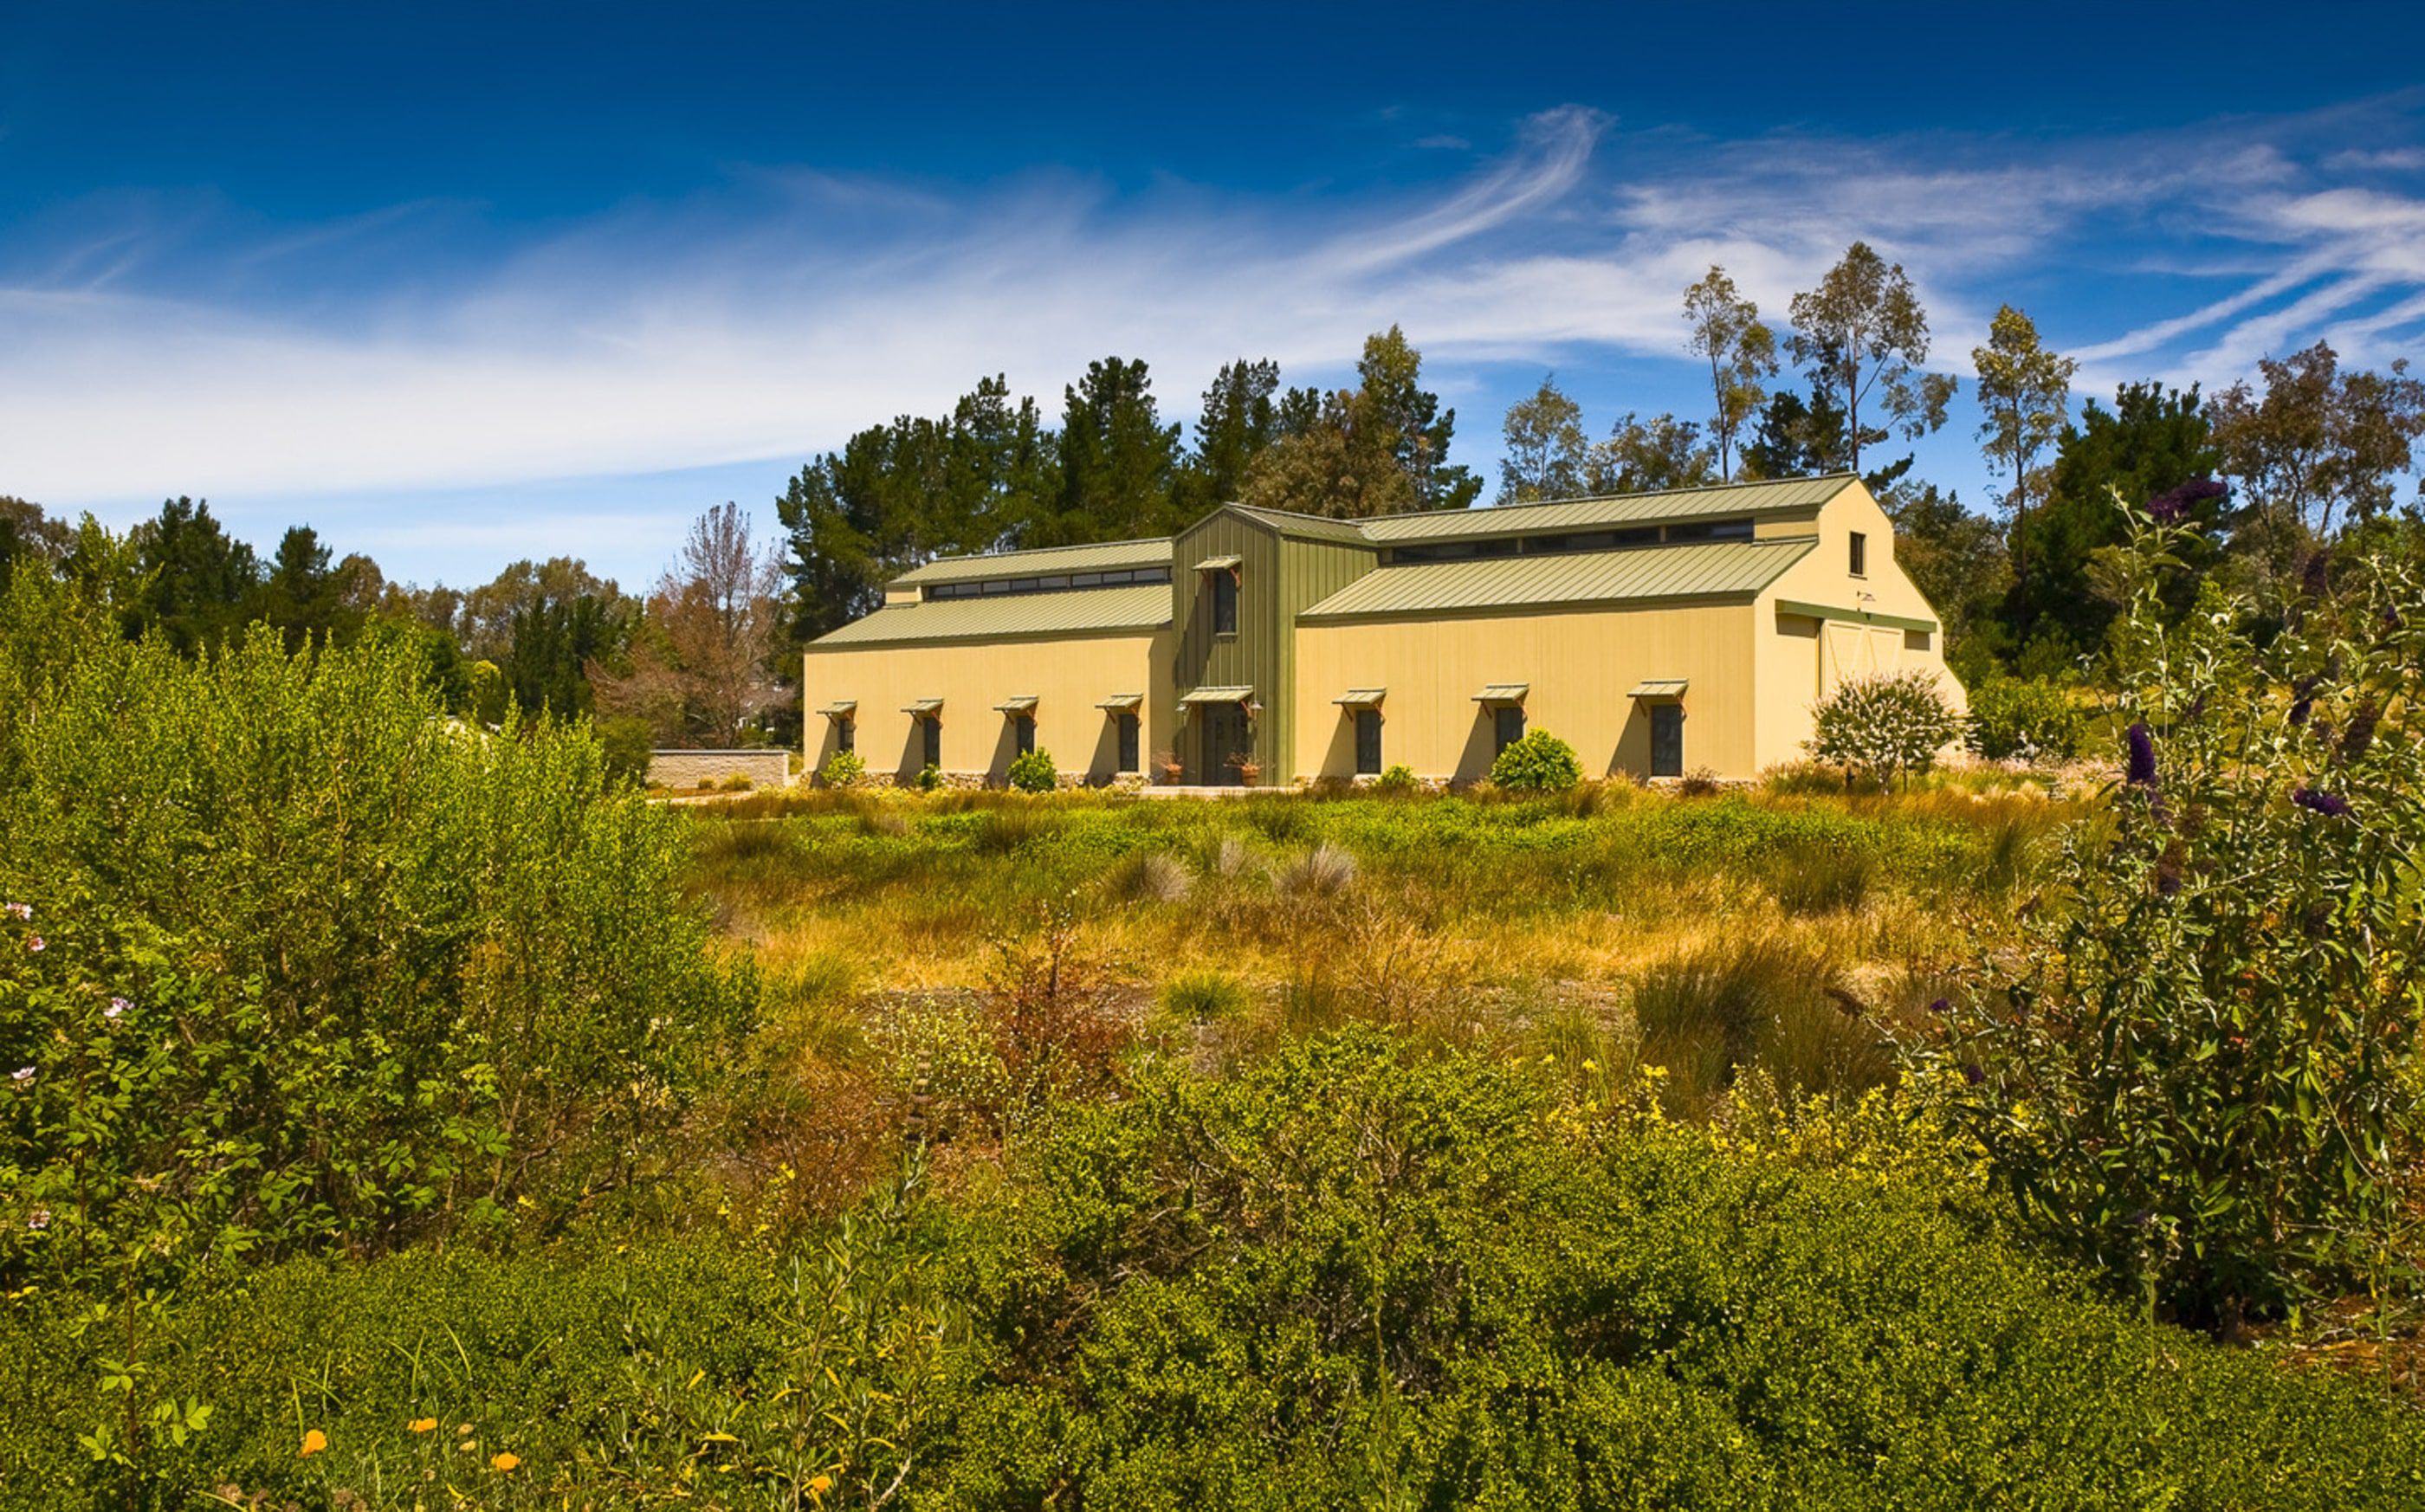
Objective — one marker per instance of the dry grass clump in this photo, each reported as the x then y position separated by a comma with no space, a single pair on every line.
1324,872
1718,1008
1148,877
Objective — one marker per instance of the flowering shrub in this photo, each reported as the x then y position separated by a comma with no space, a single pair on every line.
1536,762
1884,729
1032,771
2026,719
2201,1075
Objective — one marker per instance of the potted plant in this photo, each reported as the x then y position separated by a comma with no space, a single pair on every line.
1170,767
1247,769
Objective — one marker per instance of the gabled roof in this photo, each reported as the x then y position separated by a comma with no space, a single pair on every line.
1725,500
1304,527
1705,570
1009,617
1099,557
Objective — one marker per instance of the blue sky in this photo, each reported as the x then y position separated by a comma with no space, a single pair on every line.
461,283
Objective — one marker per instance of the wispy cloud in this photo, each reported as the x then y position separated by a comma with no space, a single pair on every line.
787,308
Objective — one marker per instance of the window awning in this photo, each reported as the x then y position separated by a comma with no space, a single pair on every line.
1023,703
1220,564
1658,687
923,708
1195,695
1129,701
1360,699
841,709
1504,693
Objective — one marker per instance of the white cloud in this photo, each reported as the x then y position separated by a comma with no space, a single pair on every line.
788,308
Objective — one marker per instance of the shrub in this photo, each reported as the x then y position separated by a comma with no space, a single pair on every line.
2200,1076
624,743
1538,761
1032,771
1396,780
930,778
843,771
737,783
2030,720
354,977
1886,728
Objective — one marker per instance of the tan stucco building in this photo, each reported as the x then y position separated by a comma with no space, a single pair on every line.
1660,634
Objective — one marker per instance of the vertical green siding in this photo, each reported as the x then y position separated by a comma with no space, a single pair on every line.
1277,577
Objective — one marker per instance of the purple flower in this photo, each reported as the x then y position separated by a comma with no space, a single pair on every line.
2168,871
2141,769
2168,506
116,1008
2330,805
2302,697
1940,1007
1972,1074
2360,733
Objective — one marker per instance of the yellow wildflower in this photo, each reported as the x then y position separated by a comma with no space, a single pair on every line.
313,1442
424,1425
505,1462
820,1485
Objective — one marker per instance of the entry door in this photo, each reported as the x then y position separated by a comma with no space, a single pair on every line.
1224,735
1666,740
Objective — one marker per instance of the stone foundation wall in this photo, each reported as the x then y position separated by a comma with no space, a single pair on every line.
686,769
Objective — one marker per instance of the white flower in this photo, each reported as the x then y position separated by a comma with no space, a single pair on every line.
22,1074
38,1219
21,911
117,1007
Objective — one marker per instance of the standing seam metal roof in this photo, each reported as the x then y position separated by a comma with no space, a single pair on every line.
1624,509
1701,570
1078,611
1103,556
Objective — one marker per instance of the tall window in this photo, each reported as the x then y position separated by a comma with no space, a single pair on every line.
1127,723
1666,740
1026,733
846,734
1508,719
1368,741
932,730
1860,554
1225,603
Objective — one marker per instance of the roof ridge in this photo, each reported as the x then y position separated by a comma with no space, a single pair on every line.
1473,511
1030,551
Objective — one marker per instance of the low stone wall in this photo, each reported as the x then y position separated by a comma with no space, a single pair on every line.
681,769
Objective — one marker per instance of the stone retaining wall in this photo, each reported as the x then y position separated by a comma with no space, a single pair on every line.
687,770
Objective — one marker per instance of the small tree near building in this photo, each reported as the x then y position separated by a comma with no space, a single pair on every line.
1885,729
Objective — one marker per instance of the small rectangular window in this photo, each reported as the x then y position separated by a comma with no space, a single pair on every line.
932,731
1666,740
1507,725
846,734
1367,742
1026,734
1860,554
1128,729
1225,603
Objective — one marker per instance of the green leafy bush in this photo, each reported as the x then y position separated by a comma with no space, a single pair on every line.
1884,729
1538,761
1397,779
930,778
293,963
1202,995
2202,1074
1032,771
2029,718
844,769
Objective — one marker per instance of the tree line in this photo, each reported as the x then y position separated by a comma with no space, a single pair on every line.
2308,455
2304,454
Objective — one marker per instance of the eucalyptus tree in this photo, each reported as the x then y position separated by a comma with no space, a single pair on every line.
1742,352
2026,390
1862,336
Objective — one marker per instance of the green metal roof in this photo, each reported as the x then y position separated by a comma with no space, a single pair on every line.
1102,557
1725,500
1659,687
1009,617
1214,694
1707,570
1307,527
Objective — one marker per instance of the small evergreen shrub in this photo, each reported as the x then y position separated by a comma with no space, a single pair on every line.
1538,761
1032,771
844,769
1884,729
1397,780
2025,718
930,778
